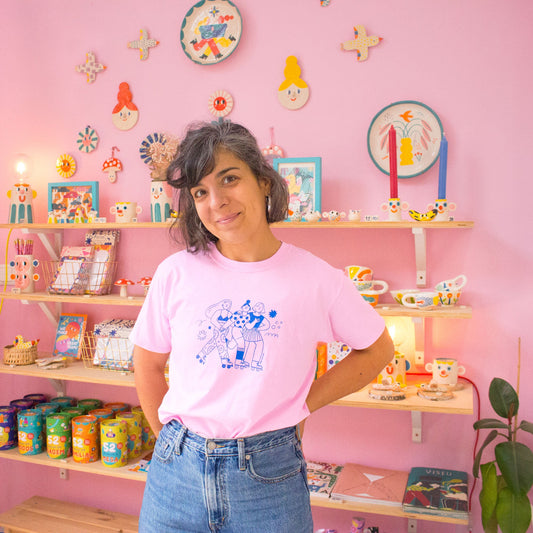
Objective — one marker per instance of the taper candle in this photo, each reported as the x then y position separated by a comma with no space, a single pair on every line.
393,163
443,163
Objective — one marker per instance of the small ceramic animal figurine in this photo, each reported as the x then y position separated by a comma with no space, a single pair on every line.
361,43
125,113
333,216
354,215
143,44
421,217
293,93
313,216
21,208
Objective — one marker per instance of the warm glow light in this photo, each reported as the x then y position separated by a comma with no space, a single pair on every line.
22,166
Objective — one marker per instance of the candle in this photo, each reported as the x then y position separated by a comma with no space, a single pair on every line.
393,165
443,162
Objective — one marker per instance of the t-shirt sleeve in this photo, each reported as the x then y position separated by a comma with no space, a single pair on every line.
353,320
152,327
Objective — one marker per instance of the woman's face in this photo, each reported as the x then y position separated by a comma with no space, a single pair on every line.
230,201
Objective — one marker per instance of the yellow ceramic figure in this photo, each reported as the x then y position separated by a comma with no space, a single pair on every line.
293,93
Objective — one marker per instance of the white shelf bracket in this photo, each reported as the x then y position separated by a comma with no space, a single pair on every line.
420,256
59,386
411,525
419,324
53,249
416,426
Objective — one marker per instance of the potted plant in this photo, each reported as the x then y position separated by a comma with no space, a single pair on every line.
507,479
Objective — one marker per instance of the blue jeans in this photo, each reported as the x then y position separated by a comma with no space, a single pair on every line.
255,484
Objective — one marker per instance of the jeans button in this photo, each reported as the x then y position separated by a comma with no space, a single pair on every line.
211,445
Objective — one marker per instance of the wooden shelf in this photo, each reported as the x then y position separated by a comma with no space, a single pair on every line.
461,404
380,224
375,508
75,371
96,467
108,299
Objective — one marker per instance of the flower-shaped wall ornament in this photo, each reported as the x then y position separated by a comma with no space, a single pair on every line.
87,140
220,103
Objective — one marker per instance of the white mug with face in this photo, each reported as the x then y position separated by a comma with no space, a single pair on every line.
445,370
125,211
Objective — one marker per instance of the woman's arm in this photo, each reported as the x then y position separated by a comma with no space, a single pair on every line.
355,371
150,383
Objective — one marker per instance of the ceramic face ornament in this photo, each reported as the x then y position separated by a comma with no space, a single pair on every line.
125,113
21,208
293,93
220,103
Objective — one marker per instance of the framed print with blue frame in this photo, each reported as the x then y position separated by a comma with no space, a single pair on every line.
418,136
73,201
303,176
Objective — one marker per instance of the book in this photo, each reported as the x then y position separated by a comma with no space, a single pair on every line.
321,478
361,483
437,491
69,334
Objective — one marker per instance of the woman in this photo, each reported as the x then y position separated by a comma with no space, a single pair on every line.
228,456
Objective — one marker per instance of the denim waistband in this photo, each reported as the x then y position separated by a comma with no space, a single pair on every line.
254,443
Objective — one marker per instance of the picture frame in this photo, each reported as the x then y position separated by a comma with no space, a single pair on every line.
304,180
75,201
70,334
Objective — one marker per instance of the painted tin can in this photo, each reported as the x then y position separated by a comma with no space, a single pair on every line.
148,436
30,431
88,404
101,414
36,398
117,407
73,411
64,401
8,427
114,439
85,439
58,436
133,424
22,403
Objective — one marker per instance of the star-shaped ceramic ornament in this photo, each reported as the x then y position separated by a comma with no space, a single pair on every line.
91,67
143,44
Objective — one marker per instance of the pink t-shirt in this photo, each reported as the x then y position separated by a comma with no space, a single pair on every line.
242,336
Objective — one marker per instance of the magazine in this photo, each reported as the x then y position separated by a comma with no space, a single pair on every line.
321,478
69,334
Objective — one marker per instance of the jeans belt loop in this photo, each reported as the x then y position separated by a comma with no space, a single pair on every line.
242,454
180,437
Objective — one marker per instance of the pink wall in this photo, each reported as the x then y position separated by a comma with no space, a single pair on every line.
469,61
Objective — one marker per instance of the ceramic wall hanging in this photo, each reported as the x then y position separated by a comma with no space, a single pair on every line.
87,140
293,93
157,151
419,131
272,150
211,31
91,67
125,113
220,104
143,44
112,165
65,166
361,43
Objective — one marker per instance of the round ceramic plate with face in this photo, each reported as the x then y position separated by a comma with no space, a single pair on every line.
210,31
418,136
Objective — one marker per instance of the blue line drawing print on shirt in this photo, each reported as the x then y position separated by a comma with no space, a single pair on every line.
236,335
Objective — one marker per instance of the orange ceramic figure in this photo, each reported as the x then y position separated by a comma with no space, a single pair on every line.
125,113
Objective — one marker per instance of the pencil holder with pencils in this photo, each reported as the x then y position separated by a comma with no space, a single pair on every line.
24,274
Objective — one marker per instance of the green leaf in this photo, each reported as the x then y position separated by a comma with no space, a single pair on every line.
526,426
513,511
486,423
515,461
503,398
490,437
488,497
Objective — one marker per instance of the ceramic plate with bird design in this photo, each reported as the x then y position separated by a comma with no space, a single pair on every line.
418,131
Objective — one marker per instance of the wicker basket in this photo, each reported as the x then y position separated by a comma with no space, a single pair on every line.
19,356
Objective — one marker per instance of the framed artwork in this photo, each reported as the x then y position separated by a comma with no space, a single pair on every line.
73,201
304,179
69,335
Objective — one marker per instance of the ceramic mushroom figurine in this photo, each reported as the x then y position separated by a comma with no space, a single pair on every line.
112,165
145,282
123,284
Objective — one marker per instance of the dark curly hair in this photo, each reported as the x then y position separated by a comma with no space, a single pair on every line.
196,158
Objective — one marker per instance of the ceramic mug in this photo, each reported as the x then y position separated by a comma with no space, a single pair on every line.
445,370
358,272
371,296
376,285
125,211
449,297
397,294
395,370
455,284
421,299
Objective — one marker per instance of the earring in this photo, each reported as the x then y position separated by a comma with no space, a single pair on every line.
268,205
